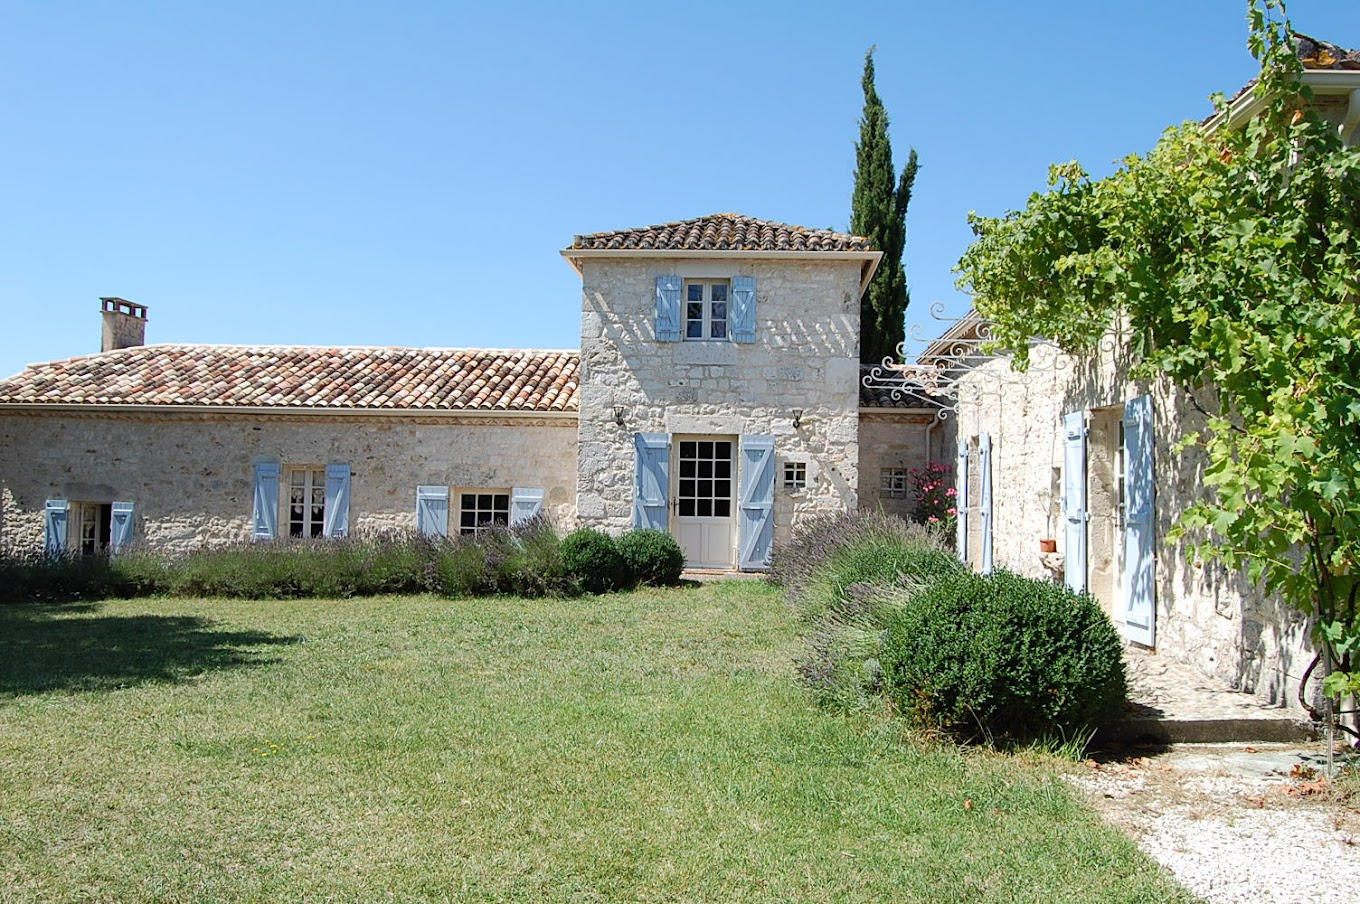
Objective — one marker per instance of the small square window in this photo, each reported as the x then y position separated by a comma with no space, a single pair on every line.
795,475
892,483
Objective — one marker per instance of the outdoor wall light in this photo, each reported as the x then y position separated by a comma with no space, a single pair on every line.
797,417
618,415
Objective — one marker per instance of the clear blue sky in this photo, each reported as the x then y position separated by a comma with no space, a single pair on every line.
405,173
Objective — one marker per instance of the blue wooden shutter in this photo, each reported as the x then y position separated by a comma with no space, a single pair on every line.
743,309
961,502
120,530
985,503
525,503
1139,585
432,511
1074,500
668,308
336,520
55,521
755,533
651,480
266,501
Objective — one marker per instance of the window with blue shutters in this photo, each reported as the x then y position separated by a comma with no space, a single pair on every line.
722,310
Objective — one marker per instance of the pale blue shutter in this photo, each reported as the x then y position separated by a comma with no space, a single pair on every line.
961,503
1139,585
266,501
743,309
432,511
525,503
55,521
120,530
1074,500
755,534
985,503
651,480
668,308
336,520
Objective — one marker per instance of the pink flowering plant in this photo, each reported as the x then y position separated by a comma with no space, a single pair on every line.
933,494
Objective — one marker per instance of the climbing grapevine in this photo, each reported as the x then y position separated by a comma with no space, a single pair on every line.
1229,257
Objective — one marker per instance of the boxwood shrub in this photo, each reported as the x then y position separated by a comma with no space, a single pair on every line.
591,561
653,558
1003,656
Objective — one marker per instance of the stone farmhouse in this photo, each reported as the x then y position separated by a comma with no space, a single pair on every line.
1085,461
716,395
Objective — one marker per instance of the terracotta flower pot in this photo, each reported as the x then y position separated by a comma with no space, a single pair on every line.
1048,546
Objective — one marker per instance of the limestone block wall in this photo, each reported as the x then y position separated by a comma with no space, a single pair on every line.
898,440
1207,617
191,476
805,356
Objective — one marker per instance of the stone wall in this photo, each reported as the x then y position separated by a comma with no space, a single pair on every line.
1205,616
805,356
191,476
899,440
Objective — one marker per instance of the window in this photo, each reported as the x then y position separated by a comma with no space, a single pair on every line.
795,475
892,483
478,512
306,502
706,312
92,528
705,484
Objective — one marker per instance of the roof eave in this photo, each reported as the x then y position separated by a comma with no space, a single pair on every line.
295,410
869,259
1323,82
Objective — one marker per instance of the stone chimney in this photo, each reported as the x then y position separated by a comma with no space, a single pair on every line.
124,324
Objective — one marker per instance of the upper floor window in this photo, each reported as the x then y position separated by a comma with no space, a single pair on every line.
706,309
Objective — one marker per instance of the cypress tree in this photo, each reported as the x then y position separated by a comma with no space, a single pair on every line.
878,211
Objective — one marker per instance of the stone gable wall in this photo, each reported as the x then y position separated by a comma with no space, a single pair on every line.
806,356
191,478
1207,617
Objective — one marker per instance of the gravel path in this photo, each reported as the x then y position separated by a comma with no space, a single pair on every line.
1235,823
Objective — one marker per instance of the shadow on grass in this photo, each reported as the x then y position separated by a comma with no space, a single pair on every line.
46,648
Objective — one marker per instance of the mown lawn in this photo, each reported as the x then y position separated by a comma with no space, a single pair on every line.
644,747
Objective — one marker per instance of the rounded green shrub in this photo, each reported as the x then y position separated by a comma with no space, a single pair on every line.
653,558
591,561
1003,656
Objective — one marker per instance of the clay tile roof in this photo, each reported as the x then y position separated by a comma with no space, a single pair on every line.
382,379
722,232
881,396
1315,54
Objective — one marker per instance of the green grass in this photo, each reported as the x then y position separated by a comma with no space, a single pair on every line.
643,747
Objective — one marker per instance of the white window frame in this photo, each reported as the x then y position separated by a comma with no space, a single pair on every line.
313,522
795,476
479,525
893,483
706,322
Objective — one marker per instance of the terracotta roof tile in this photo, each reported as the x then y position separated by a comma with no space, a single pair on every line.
722,232
385,379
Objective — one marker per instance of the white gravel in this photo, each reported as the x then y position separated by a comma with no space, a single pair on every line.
1229,828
